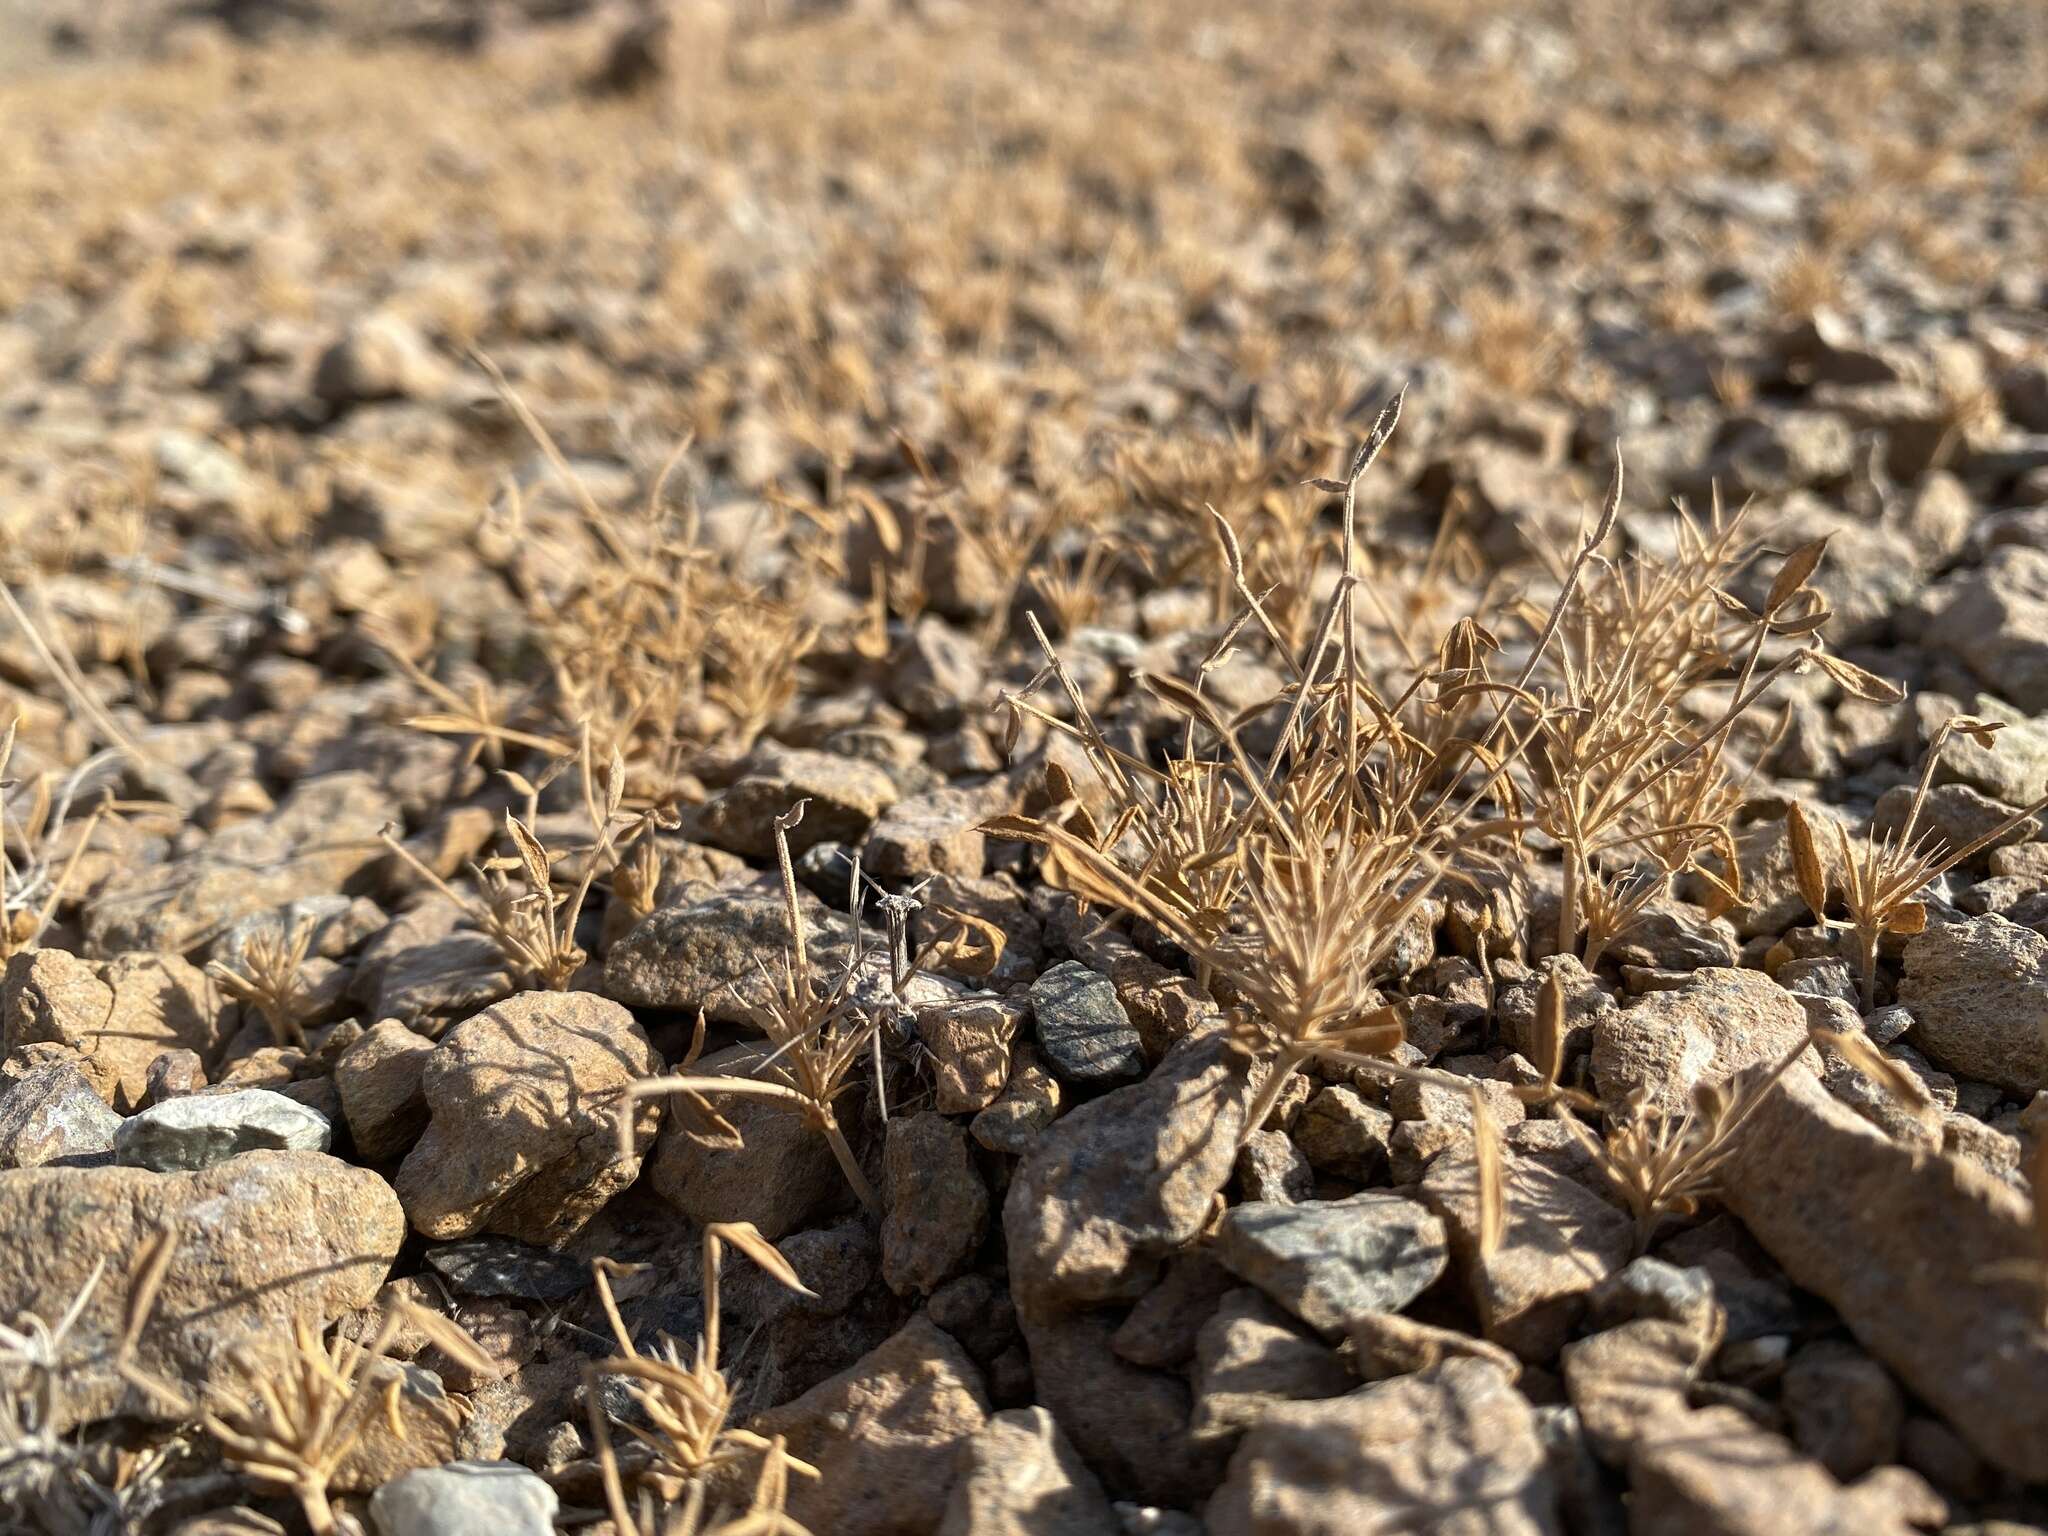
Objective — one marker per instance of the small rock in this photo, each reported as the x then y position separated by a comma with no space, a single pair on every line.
1450,1448
118,1020
380,357
1251,1355
937,675
1029,1103
781,1174
1559,1241
50,1114
1843,1407
380,1079
202,1129
522,1138
1907,1249
1330,1262
1978,993
1270,1167
265,1238
887,1434
1161,1330
1341,1134
1020,1476
1649,1287
843,797
501,1267
938,1205
1387,1344
465,1498
1719,1023
1083,1033
969,1046
1124,1180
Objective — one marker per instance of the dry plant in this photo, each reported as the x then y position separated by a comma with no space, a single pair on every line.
35,878
42,1477
517,905
1882,877
818,1034
687,1404
1287,880
301,1407
269,978
1627,772
1663,1163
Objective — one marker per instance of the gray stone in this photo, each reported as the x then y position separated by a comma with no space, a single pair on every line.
1118,1184
202,1129
1452,1449
1083,1033
938,1205
465,1498
51,1115
1978,993
1330,1262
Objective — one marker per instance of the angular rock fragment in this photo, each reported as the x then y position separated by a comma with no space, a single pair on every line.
1332,1262
523,1138
1451,1449
265,1238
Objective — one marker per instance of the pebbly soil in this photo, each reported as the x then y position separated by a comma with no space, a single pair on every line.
420,418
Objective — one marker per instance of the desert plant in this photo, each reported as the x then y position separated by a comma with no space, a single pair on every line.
517,905
687,1405
1289,880
1663,1162
40,1471
818,1034
35,878
298,1407
1627,768
269,977
1883,876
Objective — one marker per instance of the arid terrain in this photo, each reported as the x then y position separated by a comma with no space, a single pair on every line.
1044,769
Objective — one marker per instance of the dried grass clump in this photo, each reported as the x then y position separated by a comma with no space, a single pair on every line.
1882,877
36,873
689,1445
299,1407
1287,876
516,903
1652,664
269,978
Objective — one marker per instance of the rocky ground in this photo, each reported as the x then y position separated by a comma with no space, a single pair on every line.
1290,1061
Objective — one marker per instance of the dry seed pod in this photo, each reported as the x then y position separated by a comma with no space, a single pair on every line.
1856,682
1792,575
1486,1165
1806,866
